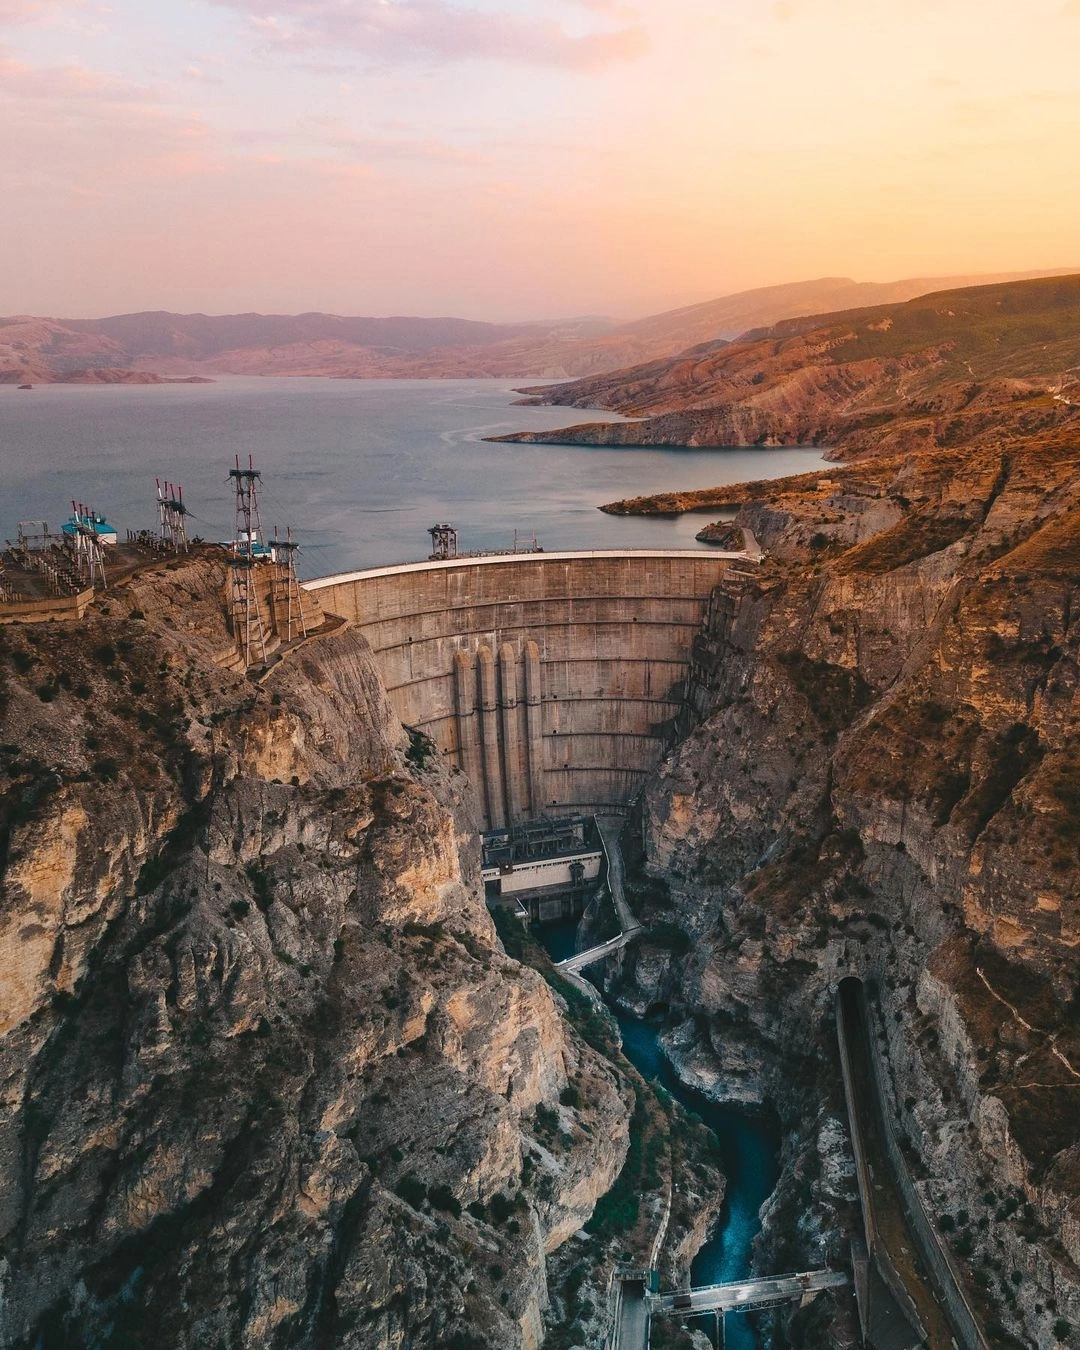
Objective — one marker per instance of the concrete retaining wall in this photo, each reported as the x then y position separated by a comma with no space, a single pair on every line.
46,609
553,680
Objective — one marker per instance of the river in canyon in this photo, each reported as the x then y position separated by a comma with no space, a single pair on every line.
749,1152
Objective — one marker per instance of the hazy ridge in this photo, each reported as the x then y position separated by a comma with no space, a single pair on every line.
133,348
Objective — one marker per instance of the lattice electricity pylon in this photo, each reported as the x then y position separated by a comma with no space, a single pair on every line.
247,618
89,556
287,588
443,542
247,551
172,516
247,525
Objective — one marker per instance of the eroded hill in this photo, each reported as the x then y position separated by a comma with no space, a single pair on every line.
937,371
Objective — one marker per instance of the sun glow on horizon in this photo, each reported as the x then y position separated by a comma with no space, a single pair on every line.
509,159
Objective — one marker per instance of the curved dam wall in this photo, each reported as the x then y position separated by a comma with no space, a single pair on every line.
554,680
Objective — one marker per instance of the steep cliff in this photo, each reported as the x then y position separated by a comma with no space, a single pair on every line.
886,785
268,1077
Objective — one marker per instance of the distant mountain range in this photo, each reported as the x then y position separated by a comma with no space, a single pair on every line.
938,371
146,347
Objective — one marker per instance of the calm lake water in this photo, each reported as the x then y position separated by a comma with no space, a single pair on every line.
359,468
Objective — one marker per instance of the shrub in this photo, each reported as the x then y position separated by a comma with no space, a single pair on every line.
421,748
547,1119
442,1197
260,885
412,1190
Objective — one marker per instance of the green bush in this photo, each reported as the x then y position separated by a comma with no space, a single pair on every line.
442,1197
412,1190
617,1211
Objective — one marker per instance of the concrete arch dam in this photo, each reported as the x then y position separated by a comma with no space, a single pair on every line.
555,681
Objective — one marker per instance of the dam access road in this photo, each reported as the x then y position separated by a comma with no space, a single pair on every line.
555,681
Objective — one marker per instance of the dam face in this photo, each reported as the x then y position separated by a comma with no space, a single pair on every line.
553,680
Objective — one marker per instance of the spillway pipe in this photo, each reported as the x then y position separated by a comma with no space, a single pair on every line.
468,731
489,725
534,723
513,777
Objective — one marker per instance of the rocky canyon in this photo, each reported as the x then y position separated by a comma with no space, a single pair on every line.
271,1074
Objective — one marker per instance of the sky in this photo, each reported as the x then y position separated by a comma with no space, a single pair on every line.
524,159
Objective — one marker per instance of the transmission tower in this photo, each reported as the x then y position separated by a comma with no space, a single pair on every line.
248,525
89,556
288,595
172,516
443,542
247,550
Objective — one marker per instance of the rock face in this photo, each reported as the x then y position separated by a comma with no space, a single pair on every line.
268,1077
887,786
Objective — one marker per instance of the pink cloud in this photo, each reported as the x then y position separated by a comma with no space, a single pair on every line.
66,123
315,135
19,80
411,30
36,11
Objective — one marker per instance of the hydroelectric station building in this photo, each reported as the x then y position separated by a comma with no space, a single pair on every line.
546,867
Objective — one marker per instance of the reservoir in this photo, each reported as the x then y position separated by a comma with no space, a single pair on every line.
749,1149
359,468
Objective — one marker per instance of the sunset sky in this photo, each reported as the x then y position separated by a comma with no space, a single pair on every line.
511,159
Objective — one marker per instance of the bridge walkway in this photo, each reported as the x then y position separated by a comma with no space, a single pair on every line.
744,1295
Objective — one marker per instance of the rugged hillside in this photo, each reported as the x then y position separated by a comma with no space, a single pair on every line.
941,369
887,785
268,1077
331,344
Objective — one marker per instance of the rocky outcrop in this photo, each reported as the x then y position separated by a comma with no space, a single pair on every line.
268,1077
885,786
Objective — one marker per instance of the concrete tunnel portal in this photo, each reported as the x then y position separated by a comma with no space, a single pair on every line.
555,681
